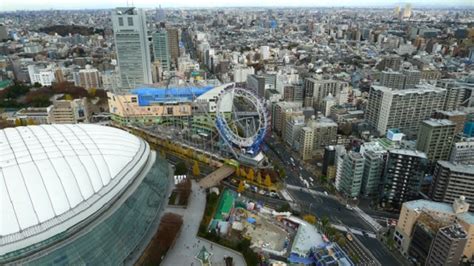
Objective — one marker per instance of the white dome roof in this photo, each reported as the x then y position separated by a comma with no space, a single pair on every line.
55,176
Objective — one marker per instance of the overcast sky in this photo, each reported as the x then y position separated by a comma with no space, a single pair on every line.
7,5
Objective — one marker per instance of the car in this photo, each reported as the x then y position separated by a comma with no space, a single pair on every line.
349,207
326,193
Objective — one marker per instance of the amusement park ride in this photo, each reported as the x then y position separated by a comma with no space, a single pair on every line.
236,131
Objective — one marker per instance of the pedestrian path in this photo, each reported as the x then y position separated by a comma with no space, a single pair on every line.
188,245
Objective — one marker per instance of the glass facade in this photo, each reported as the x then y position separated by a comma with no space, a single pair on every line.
116,240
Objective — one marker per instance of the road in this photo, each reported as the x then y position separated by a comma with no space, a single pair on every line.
320,205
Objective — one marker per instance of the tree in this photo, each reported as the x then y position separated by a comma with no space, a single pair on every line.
268,181
323,179
341,242
181,168
325,222
18,122
241,187
310,218
196,169
30,121
251,175
259,178
242,173
68,97
92,92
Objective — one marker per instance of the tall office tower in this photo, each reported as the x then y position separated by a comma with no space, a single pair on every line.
407,11
3,33
392,79
396,11
412,78
160,15
161,50
87,78
131,46
455,93
404,171
351,174
435,138
173,43
452,180
448,246
462,151
402,109
457,117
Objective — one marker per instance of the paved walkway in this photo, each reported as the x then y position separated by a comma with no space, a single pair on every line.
217,176
188,245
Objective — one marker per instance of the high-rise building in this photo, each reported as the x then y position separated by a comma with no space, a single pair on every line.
173,43
316,90
325,132
435,138
462,151
455,93
44,76
407,11
404,172
412,78
351,174
306,142
457,117
392,62
392,79
241,73
88,78
293,129
402,109
3,33
161,50
374,161
407,79
448,246
131,46
260,83
435,215
279,114
452,180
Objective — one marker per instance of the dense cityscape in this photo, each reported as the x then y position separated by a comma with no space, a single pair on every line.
237,136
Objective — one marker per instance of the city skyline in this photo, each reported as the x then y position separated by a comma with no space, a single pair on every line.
10,5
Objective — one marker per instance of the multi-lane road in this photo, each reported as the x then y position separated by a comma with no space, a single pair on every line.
321,205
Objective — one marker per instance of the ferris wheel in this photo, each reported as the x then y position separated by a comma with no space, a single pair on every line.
244,125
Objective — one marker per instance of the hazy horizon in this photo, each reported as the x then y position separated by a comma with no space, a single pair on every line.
12,5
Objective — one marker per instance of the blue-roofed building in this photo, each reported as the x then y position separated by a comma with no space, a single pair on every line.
455,213
148,96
